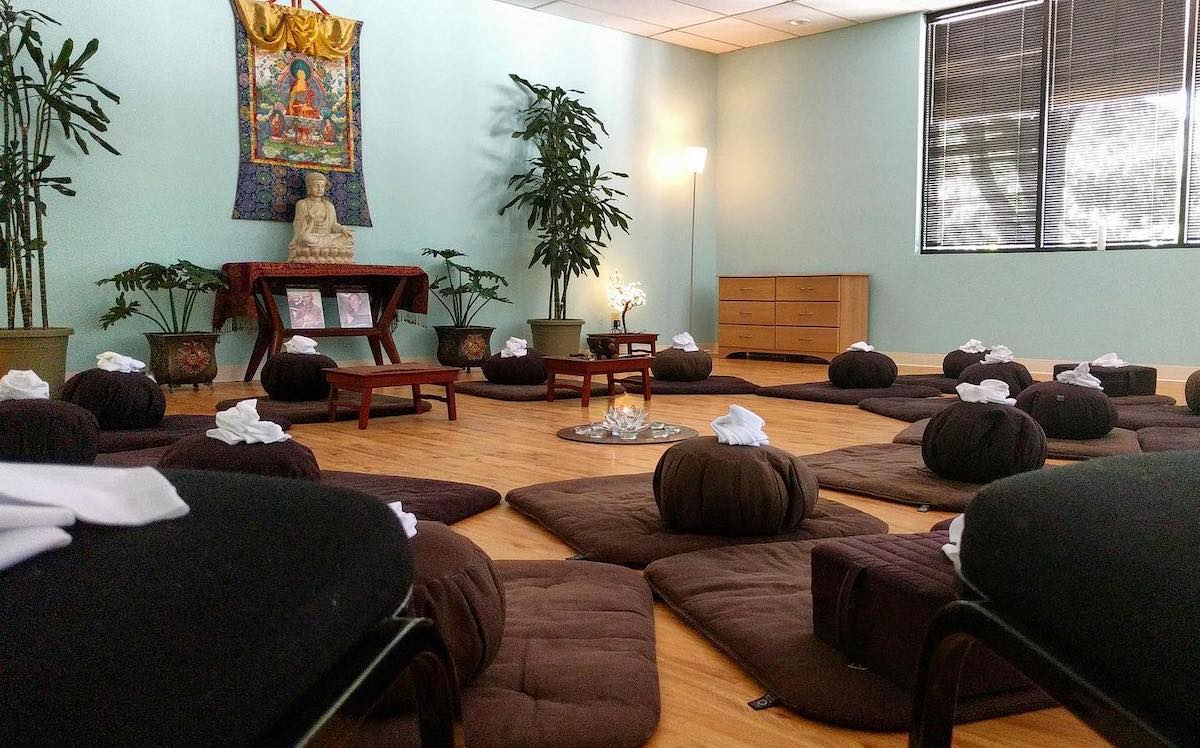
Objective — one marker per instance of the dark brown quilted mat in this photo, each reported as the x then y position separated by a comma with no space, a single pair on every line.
893,472
716,385
824,392
317,411
1115,442
526,393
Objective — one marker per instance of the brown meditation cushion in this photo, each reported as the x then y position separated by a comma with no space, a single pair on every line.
292,377
701,485
678,365
527,369
981,442
1191,391
286,459
1015,375
956,361
47,431
1069,411
118,400
456,585
1120,381
862,370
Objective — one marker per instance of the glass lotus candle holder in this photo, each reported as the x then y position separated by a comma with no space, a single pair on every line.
626,421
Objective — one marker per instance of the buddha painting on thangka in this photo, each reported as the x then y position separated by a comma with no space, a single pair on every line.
302,107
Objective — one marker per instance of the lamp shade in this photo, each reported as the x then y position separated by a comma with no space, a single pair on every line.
695,158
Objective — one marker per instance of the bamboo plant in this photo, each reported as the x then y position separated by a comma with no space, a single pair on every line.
48,99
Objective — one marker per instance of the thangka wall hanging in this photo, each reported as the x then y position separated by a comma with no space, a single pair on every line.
298,111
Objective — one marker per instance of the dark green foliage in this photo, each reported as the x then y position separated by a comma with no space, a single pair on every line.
464,291
188,278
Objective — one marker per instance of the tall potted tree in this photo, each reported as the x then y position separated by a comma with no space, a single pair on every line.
570,202
48,100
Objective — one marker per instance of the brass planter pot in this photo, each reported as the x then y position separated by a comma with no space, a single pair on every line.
40,349
556,337
463,347
183,358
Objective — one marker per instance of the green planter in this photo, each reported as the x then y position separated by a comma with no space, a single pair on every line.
40,349
556,337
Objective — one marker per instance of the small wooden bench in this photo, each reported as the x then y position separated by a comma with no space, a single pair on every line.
364,379
586,368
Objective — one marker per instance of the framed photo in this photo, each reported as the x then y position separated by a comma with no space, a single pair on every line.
304,308
354,309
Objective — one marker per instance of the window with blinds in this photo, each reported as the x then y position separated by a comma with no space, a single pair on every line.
1058,124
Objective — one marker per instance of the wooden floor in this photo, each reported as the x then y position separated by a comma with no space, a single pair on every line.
506,445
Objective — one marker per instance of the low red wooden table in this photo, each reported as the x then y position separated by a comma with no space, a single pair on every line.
587,368
628,339
364,379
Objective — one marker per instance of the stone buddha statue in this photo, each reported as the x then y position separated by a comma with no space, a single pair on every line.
316,234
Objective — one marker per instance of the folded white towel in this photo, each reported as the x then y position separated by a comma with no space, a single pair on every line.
110,361
13,516
987,391
740,426
998,355
1111,360
1080,376
515,348
25,543
952,549
973,346
22,384
242,424
300,344
685,341
408,520
861,345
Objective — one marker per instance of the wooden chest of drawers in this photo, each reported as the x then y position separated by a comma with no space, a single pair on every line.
811,315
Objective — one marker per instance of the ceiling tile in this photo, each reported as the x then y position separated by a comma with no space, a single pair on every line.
684,39
866,10
739,32
730,7
668,13
778,17
528,3
600,18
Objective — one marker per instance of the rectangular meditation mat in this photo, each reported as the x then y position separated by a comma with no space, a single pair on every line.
527,393
824,392
907,408
945,384
1148,416
1169,439
755,603
168,431
1115,442
614,519
892,472
317,411
715,385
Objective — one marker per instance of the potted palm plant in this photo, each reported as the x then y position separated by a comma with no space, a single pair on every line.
464,291
48,100
570,202
178,355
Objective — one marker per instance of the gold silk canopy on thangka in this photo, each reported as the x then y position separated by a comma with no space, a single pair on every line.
298,87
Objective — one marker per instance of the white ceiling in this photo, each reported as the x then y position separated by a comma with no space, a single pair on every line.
725,25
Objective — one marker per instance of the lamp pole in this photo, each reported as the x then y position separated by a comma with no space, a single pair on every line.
692,263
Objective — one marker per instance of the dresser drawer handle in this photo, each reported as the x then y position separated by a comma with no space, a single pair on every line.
807,288
745,337
805,314
746,314
743,288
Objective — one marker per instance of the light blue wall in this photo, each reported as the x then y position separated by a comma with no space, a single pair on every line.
437,114
818,145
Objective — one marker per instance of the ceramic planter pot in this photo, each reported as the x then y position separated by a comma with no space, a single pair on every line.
40,349
463,347
556,337
183,358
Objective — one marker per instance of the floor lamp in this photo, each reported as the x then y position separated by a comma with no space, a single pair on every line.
695,158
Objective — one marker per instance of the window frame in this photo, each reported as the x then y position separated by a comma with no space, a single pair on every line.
1191,52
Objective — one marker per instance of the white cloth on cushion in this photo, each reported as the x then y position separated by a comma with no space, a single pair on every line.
26,542
953,549
998,355
408,520
1080,376
13,516
23,384
685,341
1110,360
973,346
242,424
740,426
514,347
861,345
299,344
987,391
110,361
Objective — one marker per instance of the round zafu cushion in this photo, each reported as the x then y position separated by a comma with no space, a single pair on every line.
703,486
678,365
1120,381
862,370
955,361
119,401
1191,391
527,369
293,377
1015,375
286,459
1068,411
456,585
47,431
982,442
